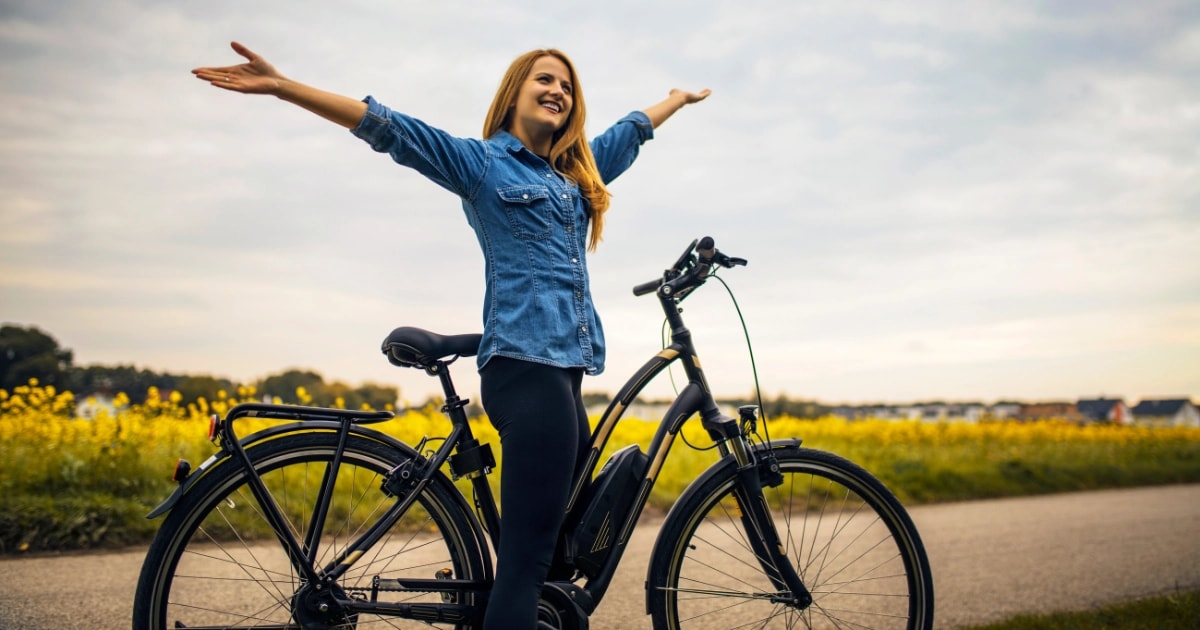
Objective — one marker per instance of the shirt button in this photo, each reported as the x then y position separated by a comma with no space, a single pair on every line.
574,260
585,329
566,196
526,196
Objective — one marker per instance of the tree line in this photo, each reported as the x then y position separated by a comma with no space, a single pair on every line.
30,353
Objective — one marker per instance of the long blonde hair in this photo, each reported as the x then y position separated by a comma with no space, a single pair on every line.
570,153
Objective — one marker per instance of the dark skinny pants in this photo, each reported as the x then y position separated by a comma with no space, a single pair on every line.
538,411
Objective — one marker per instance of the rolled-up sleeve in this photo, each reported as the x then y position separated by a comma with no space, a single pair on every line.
617,148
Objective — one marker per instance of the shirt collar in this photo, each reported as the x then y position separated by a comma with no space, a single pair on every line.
508,141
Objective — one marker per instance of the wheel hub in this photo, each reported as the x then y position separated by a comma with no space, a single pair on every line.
315,607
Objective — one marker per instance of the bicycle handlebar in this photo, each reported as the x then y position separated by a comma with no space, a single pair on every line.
647,287
690,271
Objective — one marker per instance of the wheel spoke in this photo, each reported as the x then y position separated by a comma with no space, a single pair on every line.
854,548
218,564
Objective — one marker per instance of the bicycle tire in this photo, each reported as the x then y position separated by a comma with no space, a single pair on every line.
851,541
215,561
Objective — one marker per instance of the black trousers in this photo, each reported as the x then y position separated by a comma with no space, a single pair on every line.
538,411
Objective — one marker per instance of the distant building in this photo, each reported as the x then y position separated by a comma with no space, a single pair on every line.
94,405
1178,412
1003,411
1050,411
925,412
1104,410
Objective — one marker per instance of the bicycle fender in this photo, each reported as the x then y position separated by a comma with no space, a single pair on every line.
268,434
721,467
183,488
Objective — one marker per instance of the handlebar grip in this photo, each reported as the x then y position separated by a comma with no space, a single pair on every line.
706,248
647,287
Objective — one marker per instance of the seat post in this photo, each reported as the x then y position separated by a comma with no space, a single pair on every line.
454,405
441,370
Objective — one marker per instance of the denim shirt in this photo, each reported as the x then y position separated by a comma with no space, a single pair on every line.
531,223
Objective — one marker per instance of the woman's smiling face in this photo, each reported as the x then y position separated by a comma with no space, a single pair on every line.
544,101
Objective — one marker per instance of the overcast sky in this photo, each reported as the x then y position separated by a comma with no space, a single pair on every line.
939,200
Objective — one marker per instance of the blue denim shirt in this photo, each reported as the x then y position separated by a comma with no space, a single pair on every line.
531,224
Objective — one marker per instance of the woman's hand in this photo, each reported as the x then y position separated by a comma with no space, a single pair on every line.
254,77
690,97
660,112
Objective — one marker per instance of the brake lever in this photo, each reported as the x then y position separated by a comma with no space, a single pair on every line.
727,262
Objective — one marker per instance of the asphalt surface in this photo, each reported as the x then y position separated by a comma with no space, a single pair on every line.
991,560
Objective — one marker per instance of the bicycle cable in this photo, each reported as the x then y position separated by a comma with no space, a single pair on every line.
753,363
750,349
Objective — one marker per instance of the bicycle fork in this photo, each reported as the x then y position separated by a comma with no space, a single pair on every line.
756,517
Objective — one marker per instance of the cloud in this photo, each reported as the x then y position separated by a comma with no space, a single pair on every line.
980,198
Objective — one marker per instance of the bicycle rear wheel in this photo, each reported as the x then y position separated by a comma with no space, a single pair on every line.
217,563
852,543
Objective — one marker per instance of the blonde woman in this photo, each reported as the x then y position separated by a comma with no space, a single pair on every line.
534,190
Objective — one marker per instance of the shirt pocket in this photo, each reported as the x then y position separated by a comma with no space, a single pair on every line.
528,210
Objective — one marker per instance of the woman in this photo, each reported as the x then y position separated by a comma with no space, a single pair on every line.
531,189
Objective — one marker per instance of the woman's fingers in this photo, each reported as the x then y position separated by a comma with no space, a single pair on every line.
692,97
223,78
214,70
243,51
210,73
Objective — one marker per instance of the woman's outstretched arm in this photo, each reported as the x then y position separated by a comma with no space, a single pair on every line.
256,76
661,111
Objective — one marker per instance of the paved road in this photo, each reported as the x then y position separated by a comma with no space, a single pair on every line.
991,559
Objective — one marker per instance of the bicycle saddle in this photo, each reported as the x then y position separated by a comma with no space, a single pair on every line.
415,347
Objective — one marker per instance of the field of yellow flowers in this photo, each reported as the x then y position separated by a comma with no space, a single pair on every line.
74,483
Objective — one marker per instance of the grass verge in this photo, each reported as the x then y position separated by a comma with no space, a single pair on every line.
72,483
1175,611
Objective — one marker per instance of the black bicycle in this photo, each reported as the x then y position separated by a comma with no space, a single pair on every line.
323,522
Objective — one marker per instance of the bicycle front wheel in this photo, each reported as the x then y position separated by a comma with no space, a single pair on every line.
216,562
852,543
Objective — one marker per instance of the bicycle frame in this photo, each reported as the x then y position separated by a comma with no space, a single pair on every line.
726,432
468,458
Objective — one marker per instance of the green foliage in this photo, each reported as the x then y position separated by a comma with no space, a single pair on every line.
29,353
86,473
45,523
1176,611
284,386
93,379
935,462
782,406
193,388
